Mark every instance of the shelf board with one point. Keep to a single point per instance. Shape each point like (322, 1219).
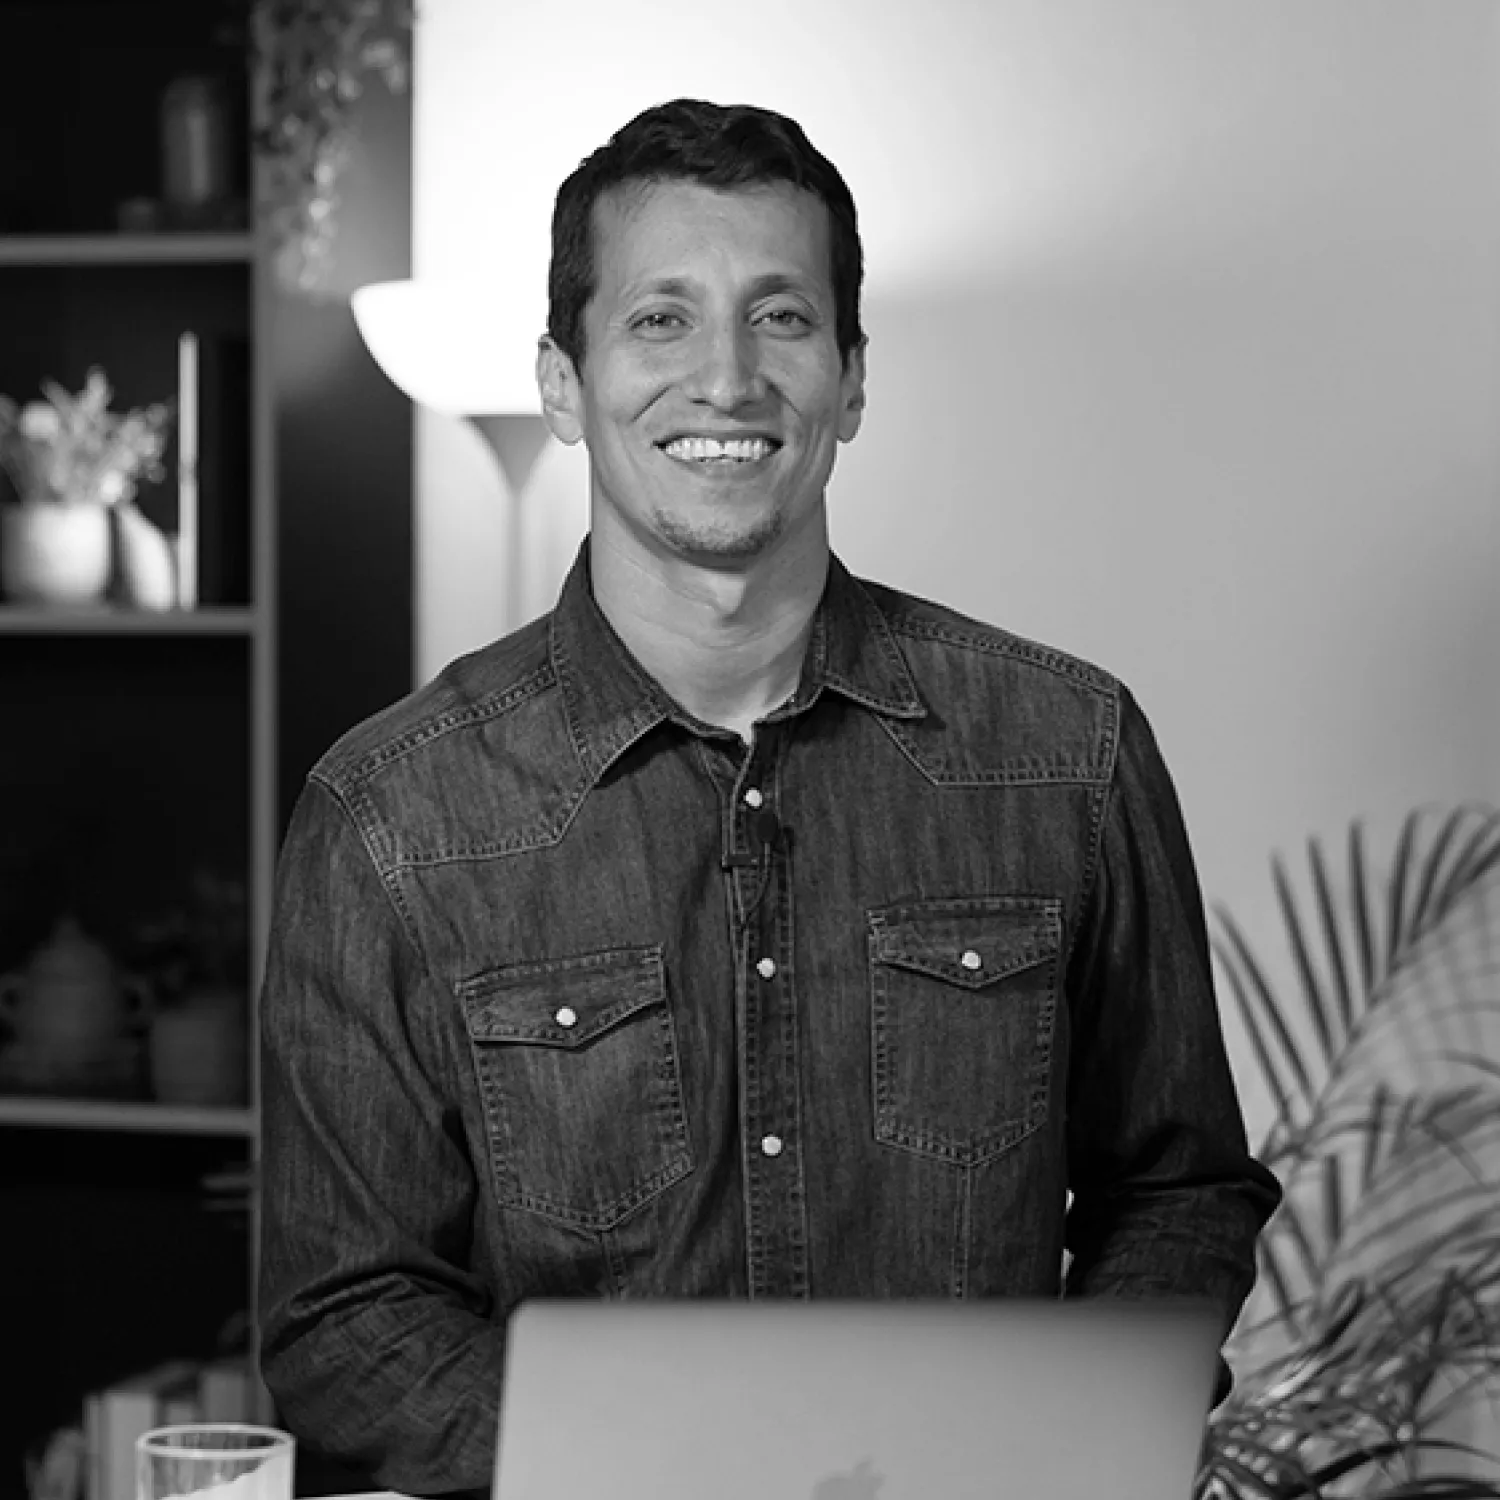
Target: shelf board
(125, 249)
(109, 1114)
(21, 619)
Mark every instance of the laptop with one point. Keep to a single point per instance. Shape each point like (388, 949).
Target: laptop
(717, 1400)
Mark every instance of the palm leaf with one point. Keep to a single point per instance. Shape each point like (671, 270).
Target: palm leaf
(1318, 1004)
(1258, 1008)
(1356, 1248)
(1382, 1115)
(1422, 887)
(1333, 941)
(1477, 856)
(1381, 1268)
(1359, 899)
(1350, 1463)
(1430, 903)
(1333, 1203)
(1287, 1304)
(1291, 1224)
(1261, 1010)
(1464, 853)
(1472, 1062)
(1237, 972)
(1247, 1481)
(1400, 877)
(1442, 1487)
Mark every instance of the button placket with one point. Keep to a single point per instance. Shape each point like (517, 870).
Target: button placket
(776, 1237)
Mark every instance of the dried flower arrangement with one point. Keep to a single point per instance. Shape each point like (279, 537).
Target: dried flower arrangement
(73, 448)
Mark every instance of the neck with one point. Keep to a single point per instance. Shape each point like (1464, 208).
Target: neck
(726, 645)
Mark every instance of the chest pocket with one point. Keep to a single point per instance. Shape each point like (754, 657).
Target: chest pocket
(578, 1076)
(963, 1013)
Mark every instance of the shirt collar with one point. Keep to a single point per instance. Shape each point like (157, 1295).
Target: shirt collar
(612, 701)
(853, 651)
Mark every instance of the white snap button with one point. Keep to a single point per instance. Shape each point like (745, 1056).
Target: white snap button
(567, 1016)
(971, 960)
(754, 797)
(766, 968)
(771, 1145)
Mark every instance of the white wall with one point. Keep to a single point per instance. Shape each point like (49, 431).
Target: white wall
(1185, 352)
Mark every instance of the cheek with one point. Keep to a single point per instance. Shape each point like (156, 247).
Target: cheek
(611, 421)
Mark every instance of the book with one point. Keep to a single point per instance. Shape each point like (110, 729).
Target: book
(93, 1478)
(181, 1406)
(222, 468)
(224, 1391)
(117, 1416)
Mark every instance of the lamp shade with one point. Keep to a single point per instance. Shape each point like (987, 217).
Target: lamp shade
(455, 348)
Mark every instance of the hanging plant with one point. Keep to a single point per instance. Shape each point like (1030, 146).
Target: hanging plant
(312, 60)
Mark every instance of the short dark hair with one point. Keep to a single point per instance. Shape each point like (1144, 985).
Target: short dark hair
(722, 146)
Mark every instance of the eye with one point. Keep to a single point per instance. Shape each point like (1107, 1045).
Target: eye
(657, 322)
(788, 317)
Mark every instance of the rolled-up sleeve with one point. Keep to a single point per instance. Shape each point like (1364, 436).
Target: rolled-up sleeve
(378, 1343)
(1167, 1199)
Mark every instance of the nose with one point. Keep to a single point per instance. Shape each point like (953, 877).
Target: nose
(728, 373)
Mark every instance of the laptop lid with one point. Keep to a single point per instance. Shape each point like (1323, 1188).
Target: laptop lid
(694, 1400)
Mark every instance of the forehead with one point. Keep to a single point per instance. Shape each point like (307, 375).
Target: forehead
(650, 231)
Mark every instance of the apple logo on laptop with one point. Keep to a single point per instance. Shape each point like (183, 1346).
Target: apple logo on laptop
(860, 1483)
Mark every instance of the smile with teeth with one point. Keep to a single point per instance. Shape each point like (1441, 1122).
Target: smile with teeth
(705, 450)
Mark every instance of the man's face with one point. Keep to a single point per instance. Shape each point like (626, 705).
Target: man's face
(712, 397)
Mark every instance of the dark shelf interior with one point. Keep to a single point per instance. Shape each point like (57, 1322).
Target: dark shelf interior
(81, 135)
(125, 767)
(111, 1262)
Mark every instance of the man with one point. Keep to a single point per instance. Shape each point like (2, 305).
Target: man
(739, 928)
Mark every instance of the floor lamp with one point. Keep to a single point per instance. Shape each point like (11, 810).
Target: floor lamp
(457, 351)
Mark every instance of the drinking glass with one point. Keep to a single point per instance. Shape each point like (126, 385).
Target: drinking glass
(215, 1460)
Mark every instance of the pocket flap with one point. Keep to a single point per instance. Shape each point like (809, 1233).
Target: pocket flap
(562, 1002)
(970, 944)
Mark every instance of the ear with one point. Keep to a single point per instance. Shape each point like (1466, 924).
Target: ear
(557, 380)
(852, 393)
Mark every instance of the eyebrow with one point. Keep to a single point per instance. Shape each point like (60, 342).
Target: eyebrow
(680, 286)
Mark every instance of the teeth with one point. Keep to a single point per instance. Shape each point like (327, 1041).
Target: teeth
(741, 450)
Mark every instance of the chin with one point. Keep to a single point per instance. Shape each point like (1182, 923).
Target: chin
(717, 542)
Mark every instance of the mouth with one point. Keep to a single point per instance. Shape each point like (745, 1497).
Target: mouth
(720, 455)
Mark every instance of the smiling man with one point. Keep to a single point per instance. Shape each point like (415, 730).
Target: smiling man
(739, 928)
(712, 374)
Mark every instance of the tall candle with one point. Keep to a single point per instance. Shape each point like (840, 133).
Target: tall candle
(187, 471)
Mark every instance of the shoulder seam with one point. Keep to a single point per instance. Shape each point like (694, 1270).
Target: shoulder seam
(342, 801)
(336, 773)
(994, 641)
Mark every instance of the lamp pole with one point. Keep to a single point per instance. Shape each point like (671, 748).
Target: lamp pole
(516, 439)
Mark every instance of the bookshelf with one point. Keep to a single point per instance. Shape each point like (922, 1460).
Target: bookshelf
(42, 1113)
(122, 249)
(139, 747)
(16, 619)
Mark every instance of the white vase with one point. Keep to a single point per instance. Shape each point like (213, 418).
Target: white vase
(147, 567)
(54, 551)
(198, 1050)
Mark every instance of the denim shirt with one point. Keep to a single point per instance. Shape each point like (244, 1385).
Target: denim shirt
(572, 994)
